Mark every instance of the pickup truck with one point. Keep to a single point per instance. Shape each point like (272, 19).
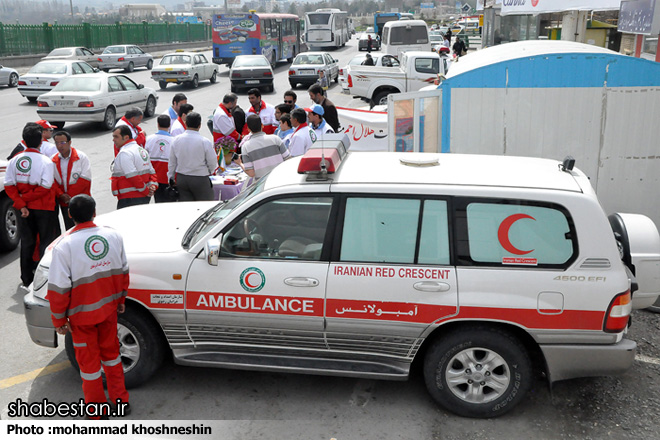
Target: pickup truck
(418, 69)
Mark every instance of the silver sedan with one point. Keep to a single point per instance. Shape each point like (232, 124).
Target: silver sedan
(124, 56)
(8, 77)
(45, 75)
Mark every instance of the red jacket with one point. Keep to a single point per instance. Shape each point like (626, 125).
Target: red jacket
(132, 172)
(29, 181)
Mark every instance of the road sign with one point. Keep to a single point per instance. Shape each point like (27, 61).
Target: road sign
(466, 8)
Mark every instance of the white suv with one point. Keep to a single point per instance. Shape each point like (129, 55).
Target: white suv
(481, 267)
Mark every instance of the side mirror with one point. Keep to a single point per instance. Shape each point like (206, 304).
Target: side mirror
(212, 249)
(140, 86)
(336, 60)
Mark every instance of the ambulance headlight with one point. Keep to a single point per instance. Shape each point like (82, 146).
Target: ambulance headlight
(39, 285)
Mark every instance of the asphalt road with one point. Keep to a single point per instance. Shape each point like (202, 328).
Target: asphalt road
(251, 405)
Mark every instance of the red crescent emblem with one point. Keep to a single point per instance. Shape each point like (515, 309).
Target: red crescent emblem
(503, 233)
(535, 2)
(247, 280)
(92, 247)
(24, 163)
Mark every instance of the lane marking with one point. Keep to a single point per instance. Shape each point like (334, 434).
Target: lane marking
(39, 372)
(647, 359)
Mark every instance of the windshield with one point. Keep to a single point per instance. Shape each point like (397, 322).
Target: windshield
(250, 61)
(76, 84)
(54, 68)
(114, 49)
(404, 35)
(175, 59)
(212, 217)
(60, 52)
(318, 18)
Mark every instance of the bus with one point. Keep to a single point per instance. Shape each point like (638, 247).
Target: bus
(326, 28)
(276, 36)
(380, 18)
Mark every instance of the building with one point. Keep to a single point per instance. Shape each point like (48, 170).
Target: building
(142, 11)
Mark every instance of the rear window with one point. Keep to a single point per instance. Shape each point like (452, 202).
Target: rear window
(52, 68)
(250, 61)
(315, 19)
(60, 53)
(114, 49)
(403, 35)
(308, 59)
(77, 84)
(175, 59)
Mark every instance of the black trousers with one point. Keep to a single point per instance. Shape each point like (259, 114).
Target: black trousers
(125, 203)
(194, 188)
(39, 223)
(160, 196)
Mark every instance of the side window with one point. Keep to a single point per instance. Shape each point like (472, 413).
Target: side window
(519, 234)
(127, 83)
(114, 85)
(138, 50)
(79, 52)
(86, 68)
(427, 65)
(196, 59)
(88, 52)
(292, 228)
(380, 230)
(434, 240)
(76, 68)
(265, 28)
(328, 59)
(202, 59)
(130, 51)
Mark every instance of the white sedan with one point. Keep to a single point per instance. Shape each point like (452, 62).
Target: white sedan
(45, 75)
(97, 97)
(184, 67)
(306, 66)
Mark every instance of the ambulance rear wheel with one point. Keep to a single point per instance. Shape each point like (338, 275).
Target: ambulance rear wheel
(477, 372)
(10, 231)
(141, 347)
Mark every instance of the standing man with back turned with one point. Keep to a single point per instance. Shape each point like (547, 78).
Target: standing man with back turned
(87, 285)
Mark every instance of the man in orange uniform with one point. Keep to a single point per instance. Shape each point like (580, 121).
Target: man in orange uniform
(87, 285)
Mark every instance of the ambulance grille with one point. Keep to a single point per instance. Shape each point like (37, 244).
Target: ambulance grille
(595, 263)
(257, 336)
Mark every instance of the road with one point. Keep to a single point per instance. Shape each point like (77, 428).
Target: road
(271, 406)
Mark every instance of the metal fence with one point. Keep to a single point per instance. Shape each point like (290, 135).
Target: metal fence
(18, 39)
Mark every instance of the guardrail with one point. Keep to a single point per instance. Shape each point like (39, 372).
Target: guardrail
(18, 39)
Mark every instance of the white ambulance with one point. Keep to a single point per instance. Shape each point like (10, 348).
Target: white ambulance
(484, 268)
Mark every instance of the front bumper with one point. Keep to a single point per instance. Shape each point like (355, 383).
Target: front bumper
(39, 324)
(572, 361)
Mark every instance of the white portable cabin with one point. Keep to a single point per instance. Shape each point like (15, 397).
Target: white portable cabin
(547, 99)
(405, 35)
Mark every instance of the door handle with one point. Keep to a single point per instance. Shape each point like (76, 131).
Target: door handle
(431, 286)
(301, 282)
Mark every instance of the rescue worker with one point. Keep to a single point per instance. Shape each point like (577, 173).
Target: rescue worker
(87, 285)
(303, 136)
(47, 147)
(223, 119)
(265, 111)
(173, 111)
(133, 177)
(179, 125)
(315, 118)
(29, 183)
(132, 119)
(73, 174)
(158, 146)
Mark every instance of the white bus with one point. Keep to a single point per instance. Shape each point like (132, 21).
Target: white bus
(326, 28)
(405, 35)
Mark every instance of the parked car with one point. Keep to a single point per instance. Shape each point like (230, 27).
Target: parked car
(306, 66)
(437, 41)
(9, 224)
(357, 60)
(45, 75)
(73, 53)
(364, 38)
(124, 56)
(8, 77)
(249, 71)
(97, 97)
(184, 67)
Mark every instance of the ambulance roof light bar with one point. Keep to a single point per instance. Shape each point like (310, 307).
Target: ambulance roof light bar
(324, 156)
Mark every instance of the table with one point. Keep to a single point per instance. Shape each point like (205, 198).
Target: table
(226, 192)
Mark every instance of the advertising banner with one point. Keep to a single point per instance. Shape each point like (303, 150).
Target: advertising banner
(524, 7)
(639, 17)
(366, 129)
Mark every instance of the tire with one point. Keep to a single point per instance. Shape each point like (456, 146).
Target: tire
(150, 64)
(141, 347)
(273, 61)
(109, 118)
(214, 77)
(270, 88)
(337, 78)
(59, 124)
(13, 80)
(380, 99)
(195, 82)
(292, 84)
(106, 70)
(459, 383)
(10, 231)
(162, 84)
(234, 89)
(131, 67)
(32, 98)
(150, 109)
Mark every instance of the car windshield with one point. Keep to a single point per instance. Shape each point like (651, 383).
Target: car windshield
(212, 217)
(175, 59)
(60, 52)
(114, 49)
(308, 59)
(250, 62)
(77, 84)
(54, 68)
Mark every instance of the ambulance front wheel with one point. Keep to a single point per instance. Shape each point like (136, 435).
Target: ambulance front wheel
(141, 347)
(477, 372)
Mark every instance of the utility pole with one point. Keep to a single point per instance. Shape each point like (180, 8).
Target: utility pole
(71, 4)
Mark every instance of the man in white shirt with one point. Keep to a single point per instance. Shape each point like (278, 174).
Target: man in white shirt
(192, 161)
(158, 146)
(180, 125)
(173, 111)
(303, 136)
(319, 125)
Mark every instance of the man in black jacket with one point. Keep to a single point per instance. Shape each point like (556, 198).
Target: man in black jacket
(329, 109)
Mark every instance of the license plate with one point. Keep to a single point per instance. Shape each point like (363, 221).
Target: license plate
(170, 80)
(61, 103)
(307, 72)
(252, 81)
(36, 83)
